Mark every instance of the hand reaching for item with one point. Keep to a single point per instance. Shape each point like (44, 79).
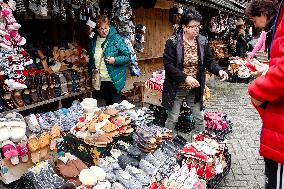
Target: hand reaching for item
(256, 102)
(261, 69)
(190, 81)
(224, 76)
(110, 60)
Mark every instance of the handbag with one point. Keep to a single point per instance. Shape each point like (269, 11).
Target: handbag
(96, 80)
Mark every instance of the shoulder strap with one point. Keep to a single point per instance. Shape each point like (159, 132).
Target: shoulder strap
(102, 55)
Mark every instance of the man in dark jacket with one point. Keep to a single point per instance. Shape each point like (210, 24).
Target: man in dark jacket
(186, 56)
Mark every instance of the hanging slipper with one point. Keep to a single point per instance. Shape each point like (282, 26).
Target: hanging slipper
(10, 152)
(54, 135)
(44, 142)
(34, 147)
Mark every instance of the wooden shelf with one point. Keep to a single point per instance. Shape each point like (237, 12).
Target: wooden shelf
(58, 99)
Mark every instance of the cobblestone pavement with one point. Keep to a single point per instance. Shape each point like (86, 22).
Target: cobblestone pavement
(247, 169)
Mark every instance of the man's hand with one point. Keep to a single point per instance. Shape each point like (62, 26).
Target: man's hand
(190, 81)
(261, 69)
(224, 76)
(256, 102)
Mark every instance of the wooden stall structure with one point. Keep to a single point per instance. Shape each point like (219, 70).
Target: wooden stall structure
(159, 29)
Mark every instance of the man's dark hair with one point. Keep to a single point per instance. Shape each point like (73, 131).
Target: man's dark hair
(189, 15)
(266, 7)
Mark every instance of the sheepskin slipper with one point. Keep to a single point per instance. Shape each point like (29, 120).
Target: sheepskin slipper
(4, 130)
(17, 125)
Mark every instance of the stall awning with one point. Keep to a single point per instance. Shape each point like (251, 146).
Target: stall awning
(224, 5)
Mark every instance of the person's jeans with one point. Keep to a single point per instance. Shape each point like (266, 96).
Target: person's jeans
(173, 115)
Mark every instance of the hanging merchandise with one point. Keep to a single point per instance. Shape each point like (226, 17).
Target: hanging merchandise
(139, 37)
(123, 18)
(133, 65)
(20, 7)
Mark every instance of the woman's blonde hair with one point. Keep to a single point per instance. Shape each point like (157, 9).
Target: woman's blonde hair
(102, 19)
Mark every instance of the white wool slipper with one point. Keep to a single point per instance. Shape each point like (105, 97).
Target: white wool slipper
(17, 126)
(4, 130)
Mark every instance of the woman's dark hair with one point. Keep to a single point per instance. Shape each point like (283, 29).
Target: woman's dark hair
(258, 7)
(189, 15)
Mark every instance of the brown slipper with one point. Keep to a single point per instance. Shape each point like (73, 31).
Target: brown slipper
(109, 127)
(103, 140)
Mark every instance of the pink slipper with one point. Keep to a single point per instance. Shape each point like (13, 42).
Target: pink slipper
(10, 151)
(22, 149)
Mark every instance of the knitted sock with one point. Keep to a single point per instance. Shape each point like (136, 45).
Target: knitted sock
(10, 19)
(6, 43)
(17, 38)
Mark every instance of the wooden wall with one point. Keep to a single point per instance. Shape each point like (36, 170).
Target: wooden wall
(159, 29)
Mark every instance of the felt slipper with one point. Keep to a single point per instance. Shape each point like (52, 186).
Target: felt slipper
(44, 142)
(10, 152)
(33, 145)
(102, 141)
(109, 127)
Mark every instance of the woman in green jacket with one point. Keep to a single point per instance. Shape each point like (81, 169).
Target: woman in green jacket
(109, 54)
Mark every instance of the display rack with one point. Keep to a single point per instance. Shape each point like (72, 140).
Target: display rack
(58, 99)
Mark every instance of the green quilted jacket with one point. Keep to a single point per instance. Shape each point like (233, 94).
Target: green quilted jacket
(115, 47)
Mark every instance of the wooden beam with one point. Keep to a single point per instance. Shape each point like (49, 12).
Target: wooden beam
(164, 4)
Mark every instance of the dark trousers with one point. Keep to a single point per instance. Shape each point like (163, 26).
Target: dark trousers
(274, 174)
(109, 93)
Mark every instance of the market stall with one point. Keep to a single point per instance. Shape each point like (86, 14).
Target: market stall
(54, 135)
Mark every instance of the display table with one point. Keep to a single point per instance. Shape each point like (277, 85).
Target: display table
(11, 173)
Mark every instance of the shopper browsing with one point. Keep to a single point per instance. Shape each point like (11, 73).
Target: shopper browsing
(109, 54)
(267, 91)
(186, 57)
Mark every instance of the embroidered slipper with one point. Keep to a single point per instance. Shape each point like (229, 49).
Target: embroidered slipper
(10, 152)
(22, 149)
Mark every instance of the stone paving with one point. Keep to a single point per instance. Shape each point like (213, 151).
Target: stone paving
(247, 169)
